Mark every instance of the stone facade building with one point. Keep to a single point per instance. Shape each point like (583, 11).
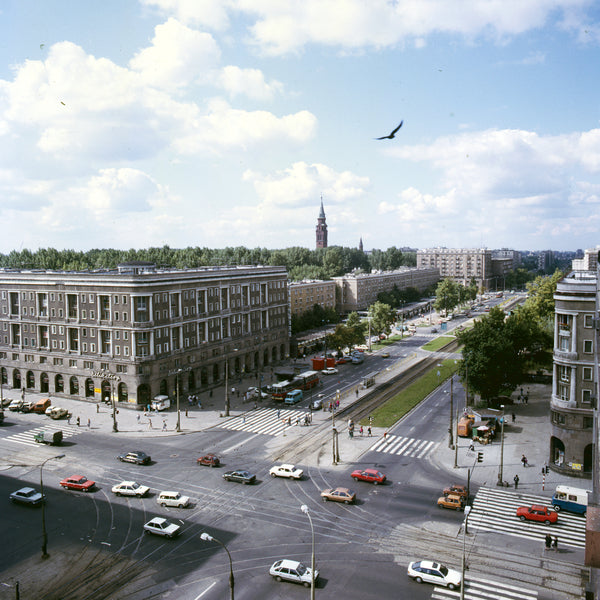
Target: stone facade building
(357, 291)
(131, 332)
(574, 377)
(305, 294)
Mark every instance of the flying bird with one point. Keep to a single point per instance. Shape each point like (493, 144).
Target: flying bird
(391, 136)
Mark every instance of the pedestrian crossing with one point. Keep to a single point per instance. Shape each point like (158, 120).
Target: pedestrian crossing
(26, 437)
(397, 444)
(495, 510)
(478, 588)
(267, 421)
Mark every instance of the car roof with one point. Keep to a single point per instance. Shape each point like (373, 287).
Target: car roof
(287, 466)
(26, 490)
(158, 520)
(127, 483)
(429, 564)
(290, 564)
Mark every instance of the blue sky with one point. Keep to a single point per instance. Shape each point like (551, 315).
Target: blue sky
(130, 124)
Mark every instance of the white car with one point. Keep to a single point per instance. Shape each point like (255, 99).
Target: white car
(253, 392)
(15, 405)
(160, 526)
(292, 570)
(286, 471)
(130, 488)
(173, 499)
(329, 371)
(429, 571)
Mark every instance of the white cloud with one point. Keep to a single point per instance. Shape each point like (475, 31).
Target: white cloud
(178, 55)
(208, 13)
(248, 82)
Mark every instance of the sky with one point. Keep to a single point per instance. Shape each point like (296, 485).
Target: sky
(214, 123)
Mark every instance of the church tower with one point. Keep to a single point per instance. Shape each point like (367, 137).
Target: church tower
(321, 228)
(360, 245)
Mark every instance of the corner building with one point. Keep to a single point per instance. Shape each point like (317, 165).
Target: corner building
(139, 331)
(574, 378)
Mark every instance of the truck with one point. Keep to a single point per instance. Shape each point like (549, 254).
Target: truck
(53, 438)
(161, 402)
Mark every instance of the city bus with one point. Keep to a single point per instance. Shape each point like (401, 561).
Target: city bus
(307, 380)
(280, 390)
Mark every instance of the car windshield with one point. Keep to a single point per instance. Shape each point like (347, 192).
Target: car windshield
(443, 570)
(301, 569)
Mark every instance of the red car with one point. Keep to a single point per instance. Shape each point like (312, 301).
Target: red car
(77, 482)
(341, 361)
(371, 475)
(209, 460)
(537, 513)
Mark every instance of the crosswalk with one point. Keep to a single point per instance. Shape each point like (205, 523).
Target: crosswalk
(478, 588)
(495, 510)
(26, 437)
(397, 444)
(268, 421)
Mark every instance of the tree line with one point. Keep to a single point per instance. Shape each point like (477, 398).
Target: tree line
(301, 263)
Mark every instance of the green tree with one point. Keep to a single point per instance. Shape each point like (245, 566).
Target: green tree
(541, 295)
(381, 318)
(447, 296)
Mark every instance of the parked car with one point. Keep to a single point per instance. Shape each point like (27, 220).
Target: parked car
(429, 571)
(160, 526)
(173, 499)
(209, 460)
(5, 402)
(27, 406)
(136, 457)
(292, 570)
(339, 494)
(78, 482)
(451, 501)
(371, 475)
(289, 471)
(317, 404)
(537, 512)
(385, 355)
(28, 495)
(58, 412)
(15, 404)
(329, 371)
(130, 488)
(455, 488)
(161, 402)
(341, 361)
(240, 475)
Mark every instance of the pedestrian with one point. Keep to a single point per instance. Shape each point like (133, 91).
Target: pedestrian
(210, 393)
(243, 418)
(524, 460)
(186, 412)
(97, 408)
(385, 435)
(527, 397)
(555, 543)
(369, 434)
(149, 423)
(69, 419)
(78, 421)
(514, 417)
(278, 412)
(548, 540)
(361, 431)
(357, 392)
(516, 480)
(138, 418)
(23, 394)
(89, 423)
(164, 425)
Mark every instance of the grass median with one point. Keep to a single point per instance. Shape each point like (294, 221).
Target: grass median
(403, 402)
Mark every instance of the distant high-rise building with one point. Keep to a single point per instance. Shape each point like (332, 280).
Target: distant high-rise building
(321, 228)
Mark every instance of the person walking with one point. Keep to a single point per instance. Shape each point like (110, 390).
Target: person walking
(555, 543)
(524, 460)
(89, 423)
(369, 434)
(516, 480)
(164, 425)
(361, 431)
(385, 435)
(514, 417)
(78, 421)
(548, 540)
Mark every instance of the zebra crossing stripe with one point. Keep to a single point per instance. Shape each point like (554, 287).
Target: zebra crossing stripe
(477, 588)
(266, 421)
(402, 445)
(26, 437)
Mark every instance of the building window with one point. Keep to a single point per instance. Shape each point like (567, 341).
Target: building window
(588, 346)
(588, 321)
(563, 392)
(586, 396)
(587, 374)
(558, 418)
(588, 422)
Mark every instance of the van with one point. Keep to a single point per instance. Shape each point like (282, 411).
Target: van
(54, 438)
(571, 499)
(293, 397)
(41, 405)
(161, 402)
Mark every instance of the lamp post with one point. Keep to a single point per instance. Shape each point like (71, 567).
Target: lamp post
(44, 532)
(305, 510)
(227, 384)
(462, 579)
(501, 469)
(209, 538)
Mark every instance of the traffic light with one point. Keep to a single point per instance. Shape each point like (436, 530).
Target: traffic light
(480, 457)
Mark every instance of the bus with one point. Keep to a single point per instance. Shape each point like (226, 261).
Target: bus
(280, 390)
(307, 380)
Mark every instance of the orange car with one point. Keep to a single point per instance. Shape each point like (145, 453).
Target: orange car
(339, 495)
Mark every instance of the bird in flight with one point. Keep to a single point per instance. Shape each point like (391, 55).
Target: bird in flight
(391, 136)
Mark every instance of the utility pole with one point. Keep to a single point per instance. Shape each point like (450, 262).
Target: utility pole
(450, 436)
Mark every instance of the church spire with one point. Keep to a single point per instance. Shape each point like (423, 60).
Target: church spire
(321, 228)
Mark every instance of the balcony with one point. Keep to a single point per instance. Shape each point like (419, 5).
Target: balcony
(565, 355)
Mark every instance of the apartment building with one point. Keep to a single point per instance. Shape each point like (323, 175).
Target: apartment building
(574, 377)
(305, 294)
(357, 291)
(129, 333)
(463, 265)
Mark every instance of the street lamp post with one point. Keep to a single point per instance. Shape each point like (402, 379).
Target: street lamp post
(227, 406)
(501, 469)
(209, 538)
(462, 579)
(44, 532)
(305, 510)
